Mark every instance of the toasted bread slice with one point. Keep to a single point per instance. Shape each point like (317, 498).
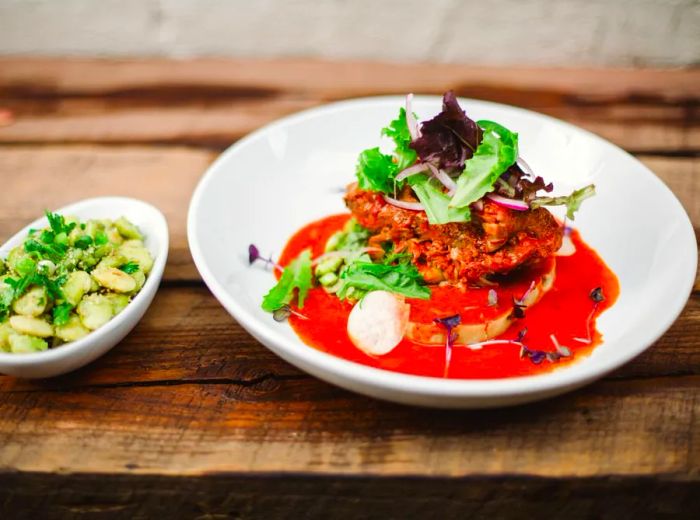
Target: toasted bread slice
(467, 333)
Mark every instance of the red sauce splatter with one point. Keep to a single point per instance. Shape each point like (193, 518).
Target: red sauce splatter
(562, 311)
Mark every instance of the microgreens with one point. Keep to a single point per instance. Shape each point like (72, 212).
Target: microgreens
(254, 254)
(518, 311)
(284, 312)
(492, 298)
(597, 296)
(449, 322)
(537, 356)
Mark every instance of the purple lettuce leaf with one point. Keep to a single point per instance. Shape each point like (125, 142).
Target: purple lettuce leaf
(450, 138)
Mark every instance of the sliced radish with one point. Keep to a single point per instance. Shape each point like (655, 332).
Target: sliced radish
(378, 322)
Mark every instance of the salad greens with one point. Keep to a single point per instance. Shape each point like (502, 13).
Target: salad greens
(376, 171)
(345, 269)
(398, 132)
(450, 138)
(496, 152)
(473, 158)
(436, 202)
(572, 201)
(296, 276)
(397, 276)
(450, 163)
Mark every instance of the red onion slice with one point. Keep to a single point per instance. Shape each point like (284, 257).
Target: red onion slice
(403, 204)
(410, 119)
(444, 179)
(411, 170)
(517, 205)
(524, 166)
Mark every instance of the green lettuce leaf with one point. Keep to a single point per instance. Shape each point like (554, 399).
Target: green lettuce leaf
(572, 201)
(376, 171)
(297, 275)
(396, 275)
(436, 203)
(398, 132)
(496, 152)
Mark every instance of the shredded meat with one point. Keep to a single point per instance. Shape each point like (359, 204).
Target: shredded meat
(496, 240)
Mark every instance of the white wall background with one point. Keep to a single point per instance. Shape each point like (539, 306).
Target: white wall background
(541, 32)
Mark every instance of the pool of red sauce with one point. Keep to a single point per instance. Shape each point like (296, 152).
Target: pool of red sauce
(563, 311)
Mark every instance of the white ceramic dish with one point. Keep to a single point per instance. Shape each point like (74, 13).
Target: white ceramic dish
(266, 186)
(74, 355)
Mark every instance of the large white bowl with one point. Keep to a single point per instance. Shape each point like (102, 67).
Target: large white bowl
(291, 172)
(74, 355)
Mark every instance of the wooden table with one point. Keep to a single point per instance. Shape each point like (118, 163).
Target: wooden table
(191, 418)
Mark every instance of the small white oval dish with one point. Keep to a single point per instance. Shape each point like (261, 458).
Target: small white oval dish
(78, 353)
(287, 174)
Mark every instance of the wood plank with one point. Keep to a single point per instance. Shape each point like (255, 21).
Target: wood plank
(216, 124)
(28, 496)
(332, 79)
(166, 176)
(187, 337)
(214, 102)
(50, 177)
(631, 428)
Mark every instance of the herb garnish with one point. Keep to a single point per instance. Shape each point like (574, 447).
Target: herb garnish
(572, 201)
(450, 138)
(597, 296)
(395, 274)
(296, 276)
(254, 254)
(284, 312)
(537, 356)
(129, 267)
(449, 322)
(58, 223)
(478, 157)
(61, 313)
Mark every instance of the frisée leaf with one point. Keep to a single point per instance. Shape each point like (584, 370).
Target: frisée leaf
(572, 201)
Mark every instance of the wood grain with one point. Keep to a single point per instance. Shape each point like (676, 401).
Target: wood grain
(212, 103)
(613, 428)
(273, 497)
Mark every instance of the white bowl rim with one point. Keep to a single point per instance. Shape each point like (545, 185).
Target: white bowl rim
(325, 364)
(68, 350)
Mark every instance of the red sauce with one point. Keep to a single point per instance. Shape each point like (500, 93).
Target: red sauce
(563, 311)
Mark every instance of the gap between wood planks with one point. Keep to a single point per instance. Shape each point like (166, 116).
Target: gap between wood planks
(685, 378)
(218, 147)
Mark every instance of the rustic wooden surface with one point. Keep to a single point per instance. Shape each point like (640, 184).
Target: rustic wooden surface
(190, 417)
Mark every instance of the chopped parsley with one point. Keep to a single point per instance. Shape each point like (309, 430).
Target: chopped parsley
(129, 267)
(61, 313)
